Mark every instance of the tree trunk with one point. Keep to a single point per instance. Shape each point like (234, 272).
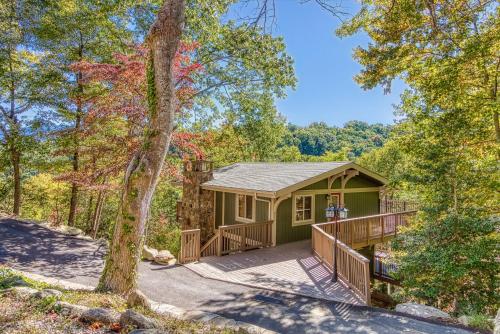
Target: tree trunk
(74, 186)
(141, 177)
(15, 157)
(88, 220)
(96, 221)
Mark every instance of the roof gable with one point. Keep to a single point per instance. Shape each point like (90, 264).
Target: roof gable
(277, 178)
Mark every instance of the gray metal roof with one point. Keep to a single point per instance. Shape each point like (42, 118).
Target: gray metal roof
(269, 177)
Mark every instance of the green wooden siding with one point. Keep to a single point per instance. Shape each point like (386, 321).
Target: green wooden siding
(261, 207)
(361, 204)
(229, 209)
(218, 209)
(319, 210)
(284, 230)
(361, 181)
(323, 184)
(262, 211)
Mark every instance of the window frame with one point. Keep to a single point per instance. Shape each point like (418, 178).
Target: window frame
(236, 213)
(296, 222)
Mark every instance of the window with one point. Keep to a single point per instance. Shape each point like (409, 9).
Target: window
(303, 209)
(244, 205)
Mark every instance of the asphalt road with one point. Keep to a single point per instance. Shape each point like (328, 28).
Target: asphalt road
(30, 247)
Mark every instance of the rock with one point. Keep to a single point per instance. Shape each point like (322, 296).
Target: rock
(464, 320)
(496, 323)
(149, 253)
(70, 230)
(48, 293)
(22, 291)
(14, 281)
(149, 331)
(103, 315)
(137, 298)
(131, 318)
(420, 310)
(164, 257)
(68, 309)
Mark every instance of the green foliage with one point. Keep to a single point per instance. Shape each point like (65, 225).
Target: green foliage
(355, 137)
(163, 232)
(45, 199)
(445, 149)
(481, 321)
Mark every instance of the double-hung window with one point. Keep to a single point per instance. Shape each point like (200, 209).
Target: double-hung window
(245, 208)
(303, 209)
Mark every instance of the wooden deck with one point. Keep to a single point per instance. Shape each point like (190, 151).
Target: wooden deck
(289, 268)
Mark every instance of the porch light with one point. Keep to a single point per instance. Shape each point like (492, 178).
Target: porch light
(343, 213)
(330, 211)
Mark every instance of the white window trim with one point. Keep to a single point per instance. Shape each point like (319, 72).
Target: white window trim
(243, 219)
(294, 211)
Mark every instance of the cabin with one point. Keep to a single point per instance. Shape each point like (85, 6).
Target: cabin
(290, 196)
(257, 205)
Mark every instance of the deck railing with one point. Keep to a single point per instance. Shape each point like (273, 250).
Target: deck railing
(389, 205)
(369, 230)
(211, 246)
(383, 269)
(352, 268)
(242, 237)
(190, 246)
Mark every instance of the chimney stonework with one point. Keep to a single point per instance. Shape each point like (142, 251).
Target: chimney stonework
(196, 210)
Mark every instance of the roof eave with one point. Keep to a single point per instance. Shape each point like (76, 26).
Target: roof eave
(262, 193)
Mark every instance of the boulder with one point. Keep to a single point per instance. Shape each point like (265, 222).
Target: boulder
(149, 331)
(149, 253)
(103, 315)
(22, 291)
(164, 257)
(14, 281)
(464, 320)
(70, 230)
(137, 298)
(48, 293)
(68, 309)
(420, 310)
(131, 318)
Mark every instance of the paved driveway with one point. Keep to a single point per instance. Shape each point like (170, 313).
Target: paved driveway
(30, 247)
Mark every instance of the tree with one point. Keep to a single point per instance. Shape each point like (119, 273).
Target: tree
(73, 31)
(23, 78)
(445, 149)
(142, 173)
(447, 50)
(233, 57)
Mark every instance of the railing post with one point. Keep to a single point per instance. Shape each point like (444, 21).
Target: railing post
(219, 244)
(382, 223)
(367, 283)
(198, 245)
(243, 244)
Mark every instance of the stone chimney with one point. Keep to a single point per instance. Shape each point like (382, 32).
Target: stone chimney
(196, 210)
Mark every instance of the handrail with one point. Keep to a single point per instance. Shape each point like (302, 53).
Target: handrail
(352, 267)
(241, 237)
(367, 217)
(367, 230)
(190, 246)
(211, 246)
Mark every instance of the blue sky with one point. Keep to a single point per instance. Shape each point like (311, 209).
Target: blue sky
(325, 69)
